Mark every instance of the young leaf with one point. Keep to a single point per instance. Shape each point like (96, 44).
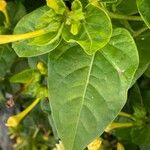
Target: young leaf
(75, 16)
(144, 9)
(57, 5)
(94, 33)
(42, 44)
(84, 89)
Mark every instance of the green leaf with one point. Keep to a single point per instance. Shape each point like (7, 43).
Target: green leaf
(147, 72)
(16, 11)
(75, 16)
(42, 44)
(141, 135)
(26, 76)
(142, 42)
(7, 58)
(144, 9)
(127, 7)
(84, 89)
(33, 61)
(57, 5)
(94, 32)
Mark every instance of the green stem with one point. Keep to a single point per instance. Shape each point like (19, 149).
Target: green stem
(114, 125)
(140, 31)
(123, 114)
(7, 24)
(124, 17)
(13, 38)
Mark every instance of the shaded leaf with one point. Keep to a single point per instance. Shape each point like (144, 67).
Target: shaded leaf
(143, 46)
(7, 58)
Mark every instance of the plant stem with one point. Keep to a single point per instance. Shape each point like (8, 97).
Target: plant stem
(123, 114)
(7, 22)
(124, 17)
(140, 31)
(13, 38)
(118, 125)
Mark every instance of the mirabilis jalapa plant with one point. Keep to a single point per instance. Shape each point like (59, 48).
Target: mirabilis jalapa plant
(91, 65)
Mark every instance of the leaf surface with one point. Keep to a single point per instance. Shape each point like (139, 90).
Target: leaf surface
(144, 9)
(7, 58)
(84, 89)
(39, 45)
(94, 32)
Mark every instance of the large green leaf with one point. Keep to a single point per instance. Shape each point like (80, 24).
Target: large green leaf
(94, 32)
(84, 89)
(34, 21)
(144, 9)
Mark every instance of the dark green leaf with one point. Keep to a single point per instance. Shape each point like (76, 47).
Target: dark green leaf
(143, 46)
(7, 57)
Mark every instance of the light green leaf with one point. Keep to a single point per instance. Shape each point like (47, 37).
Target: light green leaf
(144, 9)
(95, 30)
(57, 5)
(26, 76)
(84, 89)
(42, 44)
(75, 16)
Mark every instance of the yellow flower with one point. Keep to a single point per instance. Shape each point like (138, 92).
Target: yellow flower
(59, 146)
(118, 125)
(95, 145)
(13, 121)
(2, 5)
(120, 146)
(41, 68)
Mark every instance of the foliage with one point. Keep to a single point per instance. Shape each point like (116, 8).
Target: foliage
(82, 66)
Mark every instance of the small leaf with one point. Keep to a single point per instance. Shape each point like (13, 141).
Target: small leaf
(57, 5)
(94, 32)
(26, 76)
(75, 16)
(84, 89)
(144, 9)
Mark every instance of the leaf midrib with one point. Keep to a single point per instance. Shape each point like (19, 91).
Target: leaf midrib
(83, 97)
(89, 36)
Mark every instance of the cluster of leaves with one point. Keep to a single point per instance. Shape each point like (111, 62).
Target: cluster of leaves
(87, 54)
